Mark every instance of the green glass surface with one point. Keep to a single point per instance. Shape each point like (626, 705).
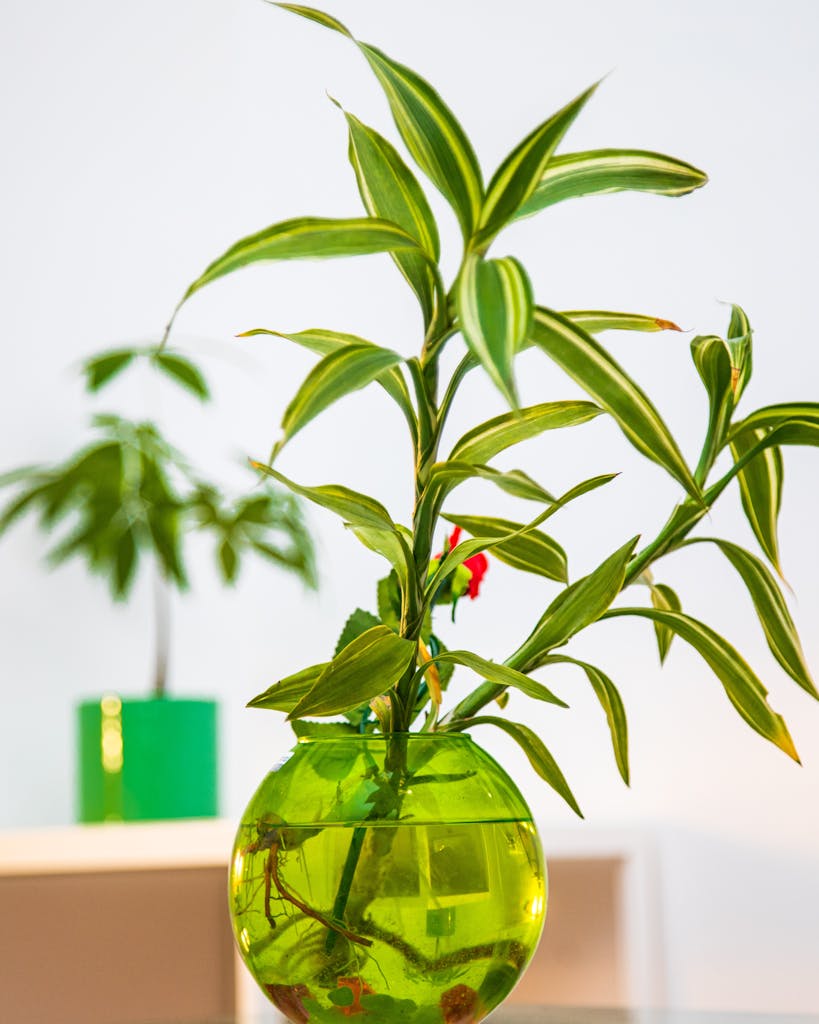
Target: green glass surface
(401, 878)
(147, 759)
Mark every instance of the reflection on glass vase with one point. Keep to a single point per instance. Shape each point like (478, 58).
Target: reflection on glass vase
(398, 877)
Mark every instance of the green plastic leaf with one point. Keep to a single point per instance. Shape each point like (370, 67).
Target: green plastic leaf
(744, 689)
(574, 608)
(533, 551)
(183, 371)
(287, 692)
(601, 171)
(664, 598)
(389, 190)
(502, 675)
(740, 344)
(760, 490)
(595, 321)
(308, 238)
(534, 748)
(488, 439)
(367, 667)
(612, 703)
(358, 622)
(579, 355)
(777, 415)
(101, 369)
(773, 614)
(430, 130)
(338, 374)
(518, 176)
(354, 507)
(712, 359)
(393, 546)
(323, 731)
(494, 300)
(228, 561)
(447, 475)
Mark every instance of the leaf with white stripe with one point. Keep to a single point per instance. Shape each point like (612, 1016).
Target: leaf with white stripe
(448, 475)
(389, 190)
(664, 598)
(532, 551)
(760, 490)
(743, 687)
(519, 174)
(712, 359)
(776, 415)
(341, 372)
(486, 440)
(430, 130)
(501, 675)
(601, 171)
(494, 301)
(773, 614)
(579, 355)
(740, 344)
(308, 238)
(595, 321)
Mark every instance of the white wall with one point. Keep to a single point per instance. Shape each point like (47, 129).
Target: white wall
(141, 139)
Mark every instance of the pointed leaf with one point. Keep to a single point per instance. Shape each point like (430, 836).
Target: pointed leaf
(448, 475)
(318, 16)
(494, 300)
(287, 692)
(358, 622)
(367, 667)
(308, 238)
(664, 598)
(760, 490)
(534, 748)
(488, 439)
(777, 415)
(502, 675)
(611, 702)
(712, 359)
(773, 614)
(338, 374)
(518, 176)
(183, 371)
(354, 507)
(740, 343)
(574, 608)
(743, 687)
(600, 171)
(100, 369)
(595, 321)
(388, 544)
(596, 372)
(532, 551)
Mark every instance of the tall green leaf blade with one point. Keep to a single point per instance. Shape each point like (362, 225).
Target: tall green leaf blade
(533, 551)
(612, 703)
(760, 490)
(534, 748)
(664, 598)
(576, 607)
(494, 301)
(447, 476)
(712, 359)
(740, 343)
(595, 321)
(486, 440)
(367, 667)
(777, 415)
(600, 171)
(308, 238)
(744, 689)
(327, 20)
(518, 176)
(353, 507)
(502, 675)
(579, 355)
(338, 374)
(388, 189)
(387, 543)
(773, 614)
(286, 693)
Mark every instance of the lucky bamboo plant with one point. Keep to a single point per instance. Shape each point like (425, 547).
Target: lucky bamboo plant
(390, 670)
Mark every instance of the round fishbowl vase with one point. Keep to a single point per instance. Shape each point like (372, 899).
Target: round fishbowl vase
(396, 877)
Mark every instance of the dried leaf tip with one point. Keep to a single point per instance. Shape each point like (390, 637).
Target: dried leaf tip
(666, 325)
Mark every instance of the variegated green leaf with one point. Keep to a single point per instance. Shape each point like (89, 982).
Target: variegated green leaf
(712, 359)
(664, 598)
(308, 238)
(430, 130)
(447, 476)
(760, 489)
(389, 190)
(777, 415)
(486, 440)
(501, 675)
(353, 507)
(518, 176)
(773, 614)
(595, 321)
(534, 748)
(608, 384)
(612, 703)
(602, 171)
(740, 343)
(532, 551)
(574, 608)
(744, 689)
(286, 693)
(494, 301)
(341, 372)
(367, 667)
(392, 545)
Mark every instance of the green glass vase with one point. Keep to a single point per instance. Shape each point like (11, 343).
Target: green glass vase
(398, 877)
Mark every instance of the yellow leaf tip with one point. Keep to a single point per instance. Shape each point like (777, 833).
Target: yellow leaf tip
(666, 325)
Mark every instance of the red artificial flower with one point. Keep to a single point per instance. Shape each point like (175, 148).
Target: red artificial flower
(477, 564)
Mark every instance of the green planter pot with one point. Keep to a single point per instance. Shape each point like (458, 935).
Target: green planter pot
(400, 878)
(147, 759)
